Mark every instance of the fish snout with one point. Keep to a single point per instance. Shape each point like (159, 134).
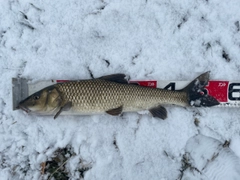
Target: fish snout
(23, 108)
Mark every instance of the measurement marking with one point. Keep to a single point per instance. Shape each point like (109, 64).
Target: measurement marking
(236, 94)
(236, 87)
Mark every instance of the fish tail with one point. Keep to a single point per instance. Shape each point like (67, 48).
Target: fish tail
(195, 92)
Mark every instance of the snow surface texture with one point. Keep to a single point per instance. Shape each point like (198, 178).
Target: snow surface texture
(146, 39)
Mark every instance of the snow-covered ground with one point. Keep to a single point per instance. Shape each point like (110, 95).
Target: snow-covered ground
(146, 39)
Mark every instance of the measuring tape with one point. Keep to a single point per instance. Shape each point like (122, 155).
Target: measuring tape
(226, 92)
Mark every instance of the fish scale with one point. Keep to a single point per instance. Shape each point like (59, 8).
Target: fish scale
(100, 95)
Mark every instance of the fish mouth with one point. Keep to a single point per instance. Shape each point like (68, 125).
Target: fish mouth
(23, 108)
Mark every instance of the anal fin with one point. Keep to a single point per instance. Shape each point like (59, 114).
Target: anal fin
(116, 111)
(159, 112)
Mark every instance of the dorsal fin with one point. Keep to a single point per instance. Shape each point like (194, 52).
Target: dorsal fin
(118, 78)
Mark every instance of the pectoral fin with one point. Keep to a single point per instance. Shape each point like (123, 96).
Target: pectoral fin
(116, 111)
(159, 112)
(66, 107)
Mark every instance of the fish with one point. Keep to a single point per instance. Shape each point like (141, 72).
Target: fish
(112, 94)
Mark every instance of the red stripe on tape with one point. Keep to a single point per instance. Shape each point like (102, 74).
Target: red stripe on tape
(60, 81)
(219, 90)
(152, 84)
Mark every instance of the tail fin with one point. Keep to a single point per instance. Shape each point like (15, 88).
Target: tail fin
(195, 92)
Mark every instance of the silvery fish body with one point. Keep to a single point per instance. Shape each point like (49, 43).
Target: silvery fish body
(99, 95)
(112, 94)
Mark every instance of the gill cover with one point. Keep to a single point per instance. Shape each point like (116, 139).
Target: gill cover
(45, 100)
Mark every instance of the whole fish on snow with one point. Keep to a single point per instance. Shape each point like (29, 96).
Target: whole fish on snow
(113, 94)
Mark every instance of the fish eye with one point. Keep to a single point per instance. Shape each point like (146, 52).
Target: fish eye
(36, 97)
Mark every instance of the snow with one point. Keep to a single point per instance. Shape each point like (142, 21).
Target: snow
(151, 39)
(218, 162)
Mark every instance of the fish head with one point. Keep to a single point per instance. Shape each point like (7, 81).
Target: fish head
(45, 100)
